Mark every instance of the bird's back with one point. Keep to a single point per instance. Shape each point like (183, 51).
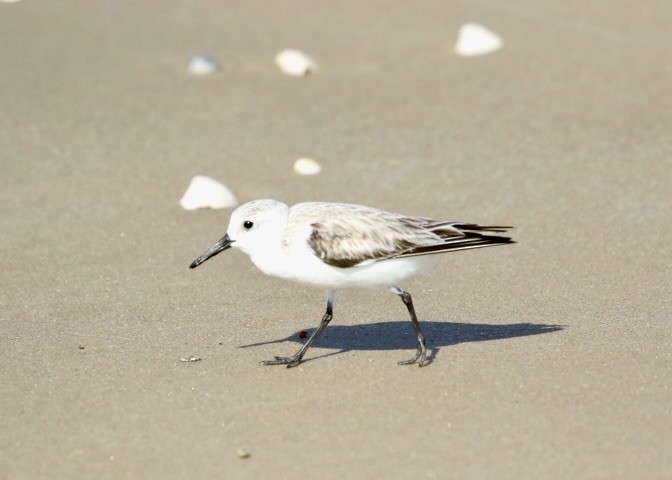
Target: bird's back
(347, 235)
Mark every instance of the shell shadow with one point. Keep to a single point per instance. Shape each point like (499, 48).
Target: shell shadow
(400, 335)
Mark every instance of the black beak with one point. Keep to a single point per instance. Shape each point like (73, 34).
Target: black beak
(220, 246)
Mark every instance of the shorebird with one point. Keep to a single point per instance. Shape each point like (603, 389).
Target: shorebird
(335, 246)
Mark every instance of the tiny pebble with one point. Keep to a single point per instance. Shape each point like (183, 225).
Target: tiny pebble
(307, 166)
(81, 347)
(303, 334)
(202, 65)
(243, 453)
(191, 358)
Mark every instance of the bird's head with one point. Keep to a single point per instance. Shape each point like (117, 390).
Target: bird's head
(252, 228)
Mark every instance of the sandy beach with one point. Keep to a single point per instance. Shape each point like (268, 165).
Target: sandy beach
(551, 358)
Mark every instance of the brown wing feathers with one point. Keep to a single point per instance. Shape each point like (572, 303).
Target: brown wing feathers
(344, 247)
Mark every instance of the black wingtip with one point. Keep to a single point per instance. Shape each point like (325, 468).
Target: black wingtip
(469, 241)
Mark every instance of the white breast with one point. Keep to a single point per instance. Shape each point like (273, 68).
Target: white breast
(295, 260)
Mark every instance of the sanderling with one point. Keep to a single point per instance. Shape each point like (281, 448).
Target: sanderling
(336, 246)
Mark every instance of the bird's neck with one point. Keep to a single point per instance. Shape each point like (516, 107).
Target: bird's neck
(269, 258)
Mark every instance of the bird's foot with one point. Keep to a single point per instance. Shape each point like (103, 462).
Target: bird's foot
(420, 358)
(292, 361)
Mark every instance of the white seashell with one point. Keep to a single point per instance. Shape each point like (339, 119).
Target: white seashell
(243, 453)
(295, 62)
(307, 166)
(202, 65)
(205, 192)
(475, 39)
(10, 1)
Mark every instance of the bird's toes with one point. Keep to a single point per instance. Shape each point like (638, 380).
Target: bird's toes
(289, 361)
(407, 362)
(276, 361)
(420, 357)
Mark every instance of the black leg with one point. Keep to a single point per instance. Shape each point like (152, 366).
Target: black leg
(295, 359)
(421, 354)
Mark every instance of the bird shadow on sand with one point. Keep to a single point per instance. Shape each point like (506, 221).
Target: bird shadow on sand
(400, 336)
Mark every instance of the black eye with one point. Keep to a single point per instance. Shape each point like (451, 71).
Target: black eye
(247, 224)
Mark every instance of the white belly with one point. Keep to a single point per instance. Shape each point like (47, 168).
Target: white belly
(302, 265)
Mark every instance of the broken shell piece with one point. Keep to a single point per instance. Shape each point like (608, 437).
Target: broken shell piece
(475, 39)
(191, 358)
(295, 62)
(202, 65)
(205, 192)
(307, 166)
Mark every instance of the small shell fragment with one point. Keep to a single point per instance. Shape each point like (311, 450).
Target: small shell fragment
(202, 65)
(475, 40)
(295, 62)
(243, 453)
(10, 1)
(307, 166)
(206, 192)
(191, 358)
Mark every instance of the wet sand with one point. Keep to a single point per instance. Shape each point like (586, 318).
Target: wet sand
(551, 357)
